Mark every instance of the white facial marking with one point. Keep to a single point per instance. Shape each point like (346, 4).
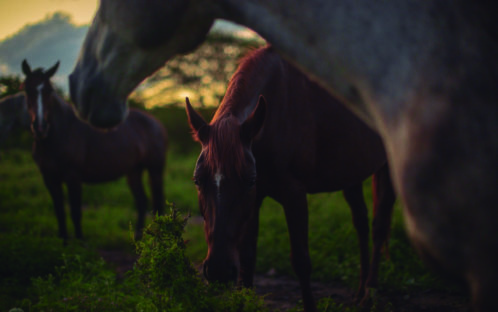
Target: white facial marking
(217, 179)
(39, 109)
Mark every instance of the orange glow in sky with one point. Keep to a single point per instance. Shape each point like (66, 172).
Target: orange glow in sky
(14, 14)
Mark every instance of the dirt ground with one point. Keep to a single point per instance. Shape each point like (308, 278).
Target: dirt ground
(283, 293)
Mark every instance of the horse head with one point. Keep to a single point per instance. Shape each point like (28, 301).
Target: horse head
(225, 176)
(39, 96)
(127, 42)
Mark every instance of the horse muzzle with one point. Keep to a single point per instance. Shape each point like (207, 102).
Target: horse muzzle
(40, 131)
(220, 272)
(95, 103)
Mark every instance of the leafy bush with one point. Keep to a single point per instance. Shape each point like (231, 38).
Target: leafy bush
(83, 284)
(163, 279)
(170, 279)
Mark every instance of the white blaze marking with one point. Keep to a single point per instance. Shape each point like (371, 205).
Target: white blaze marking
(39, 109)
(217, 179)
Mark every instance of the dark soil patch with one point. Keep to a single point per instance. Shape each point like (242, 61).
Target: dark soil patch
(282, 293)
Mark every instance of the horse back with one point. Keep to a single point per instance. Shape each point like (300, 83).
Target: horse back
(311, 136)
(77, 151)
(139, 142)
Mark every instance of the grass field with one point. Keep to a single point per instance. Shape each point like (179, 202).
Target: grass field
(32, 257)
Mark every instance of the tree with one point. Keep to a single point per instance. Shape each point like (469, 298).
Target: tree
(9, 85)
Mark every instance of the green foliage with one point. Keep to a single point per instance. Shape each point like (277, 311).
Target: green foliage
(170, 279)
(9, 85)
(162, 261)
(84, 283)
(31, 252)
(163, 279)
(203, 75)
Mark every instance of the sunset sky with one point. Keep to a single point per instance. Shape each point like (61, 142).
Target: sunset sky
(14, 14)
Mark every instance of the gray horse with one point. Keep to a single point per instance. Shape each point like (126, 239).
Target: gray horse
(422, 73)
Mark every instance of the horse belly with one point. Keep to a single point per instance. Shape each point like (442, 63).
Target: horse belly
(109, 164)
(344, 167)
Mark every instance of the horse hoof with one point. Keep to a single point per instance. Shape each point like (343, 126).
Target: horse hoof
(368, 298)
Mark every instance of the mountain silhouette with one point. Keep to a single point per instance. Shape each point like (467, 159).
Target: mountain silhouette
(57, 38)
(42, 44)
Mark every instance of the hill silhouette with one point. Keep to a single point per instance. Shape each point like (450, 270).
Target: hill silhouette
(42, 44)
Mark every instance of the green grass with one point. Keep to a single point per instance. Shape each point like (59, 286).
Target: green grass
(33, 258)
(39, 273)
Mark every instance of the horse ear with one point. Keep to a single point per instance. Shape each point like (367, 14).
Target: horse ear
(253, 124)
(26, 69)
(198, 125)
(49, 73)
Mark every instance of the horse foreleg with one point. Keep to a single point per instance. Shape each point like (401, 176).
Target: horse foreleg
(384, 198)
(54, 187)
(248, 246)
(296, 214)
(134, 180)
(74, 192)
(354, 197)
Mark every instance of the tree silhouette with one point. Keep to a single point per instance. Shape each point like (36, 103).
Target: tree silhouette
(9, 85)
(202, 75)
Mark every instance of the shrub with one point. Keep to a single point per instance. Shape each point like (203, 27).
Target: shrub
(163, 279)
(170, 279)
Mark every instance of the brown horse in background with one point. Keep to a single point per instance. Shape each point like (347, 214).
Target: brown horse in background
(68, 150)
(295, 140)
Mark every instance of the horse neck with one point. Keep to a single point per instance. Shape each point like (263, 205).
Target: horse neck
(252, 77)
(62, 115)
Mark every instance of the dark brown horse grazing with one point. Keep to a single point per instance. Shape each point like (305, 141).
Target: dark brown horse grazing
(303, 141)
(69, 151)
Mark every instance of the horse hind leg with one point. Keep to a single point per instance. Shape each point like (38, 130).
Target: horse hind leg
(135, 183)
(74, 192)
(359, 211)
(383, 203)
(156, 180)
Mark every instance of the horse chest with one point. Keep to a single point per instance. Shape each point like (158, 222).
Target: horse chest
(47, 156)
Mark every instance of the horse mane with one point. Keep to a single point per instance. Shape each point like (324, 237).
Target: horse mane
(59, 100)
(64, 111)
(224, 149)
(255, 69)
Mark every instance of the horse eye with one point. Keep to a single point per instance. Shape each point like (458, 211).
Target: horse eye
(196, 181)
